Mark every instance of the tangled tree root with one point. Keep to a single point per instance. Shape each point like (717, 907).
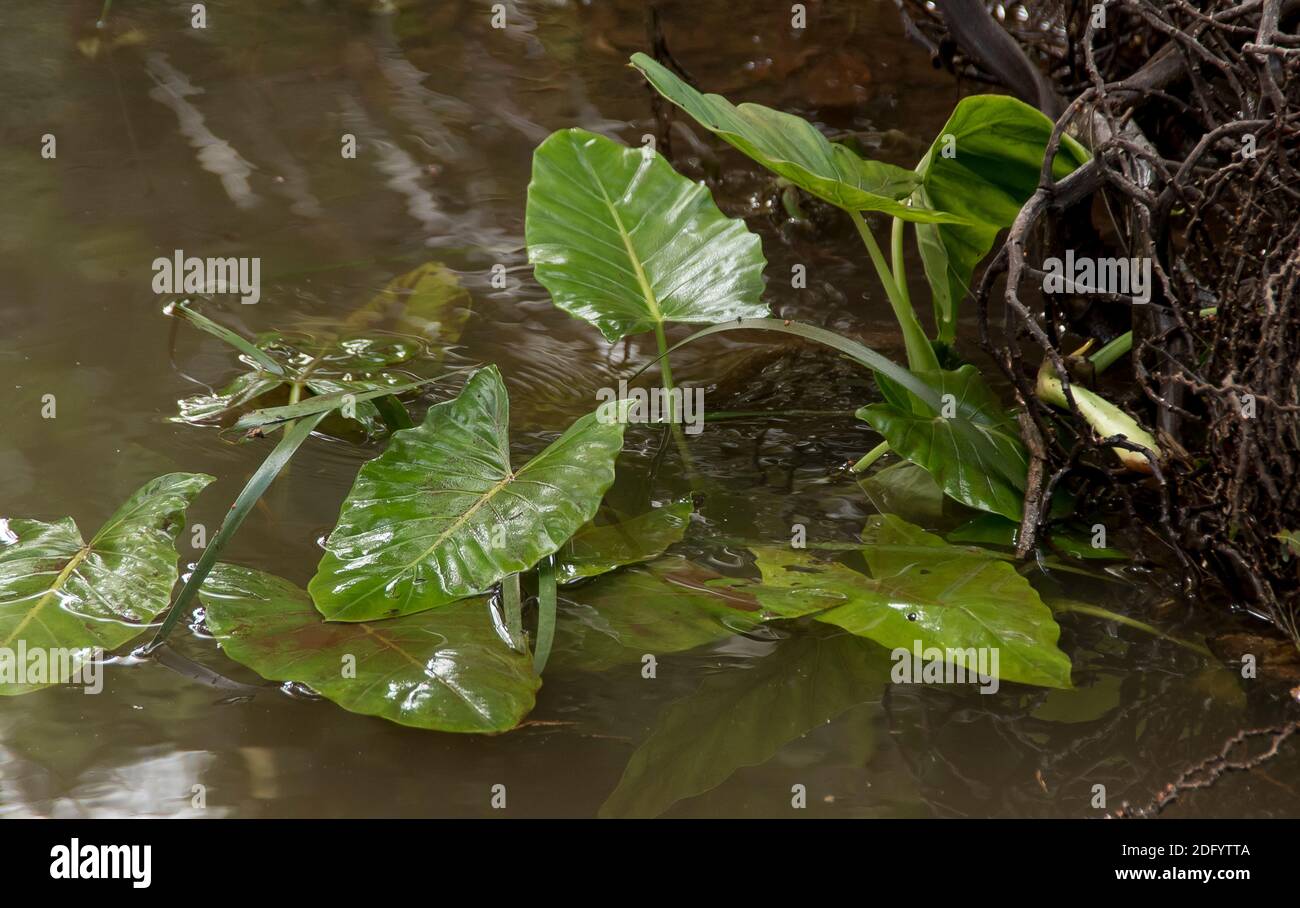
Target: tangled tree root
(1193, 116)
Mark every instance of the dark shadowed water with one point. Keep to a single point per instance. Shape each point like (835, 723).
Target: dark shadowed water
(225, 141)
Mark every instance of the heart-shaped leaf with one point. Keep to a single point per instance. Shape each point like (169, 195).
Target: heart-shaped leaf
(59, 593)
(969, 445)
(447, 670)
(597, 550)
(924, 589)
(983, 166)
(793, 148)
(742, 718)
(622, 240)
(442, 514)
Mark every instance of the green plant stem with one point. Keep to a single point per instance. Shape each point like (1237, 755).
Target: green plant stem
(666, 371)
(871, 457)
(546, 604)
(293, 437)
(920, 355)
(897, 261)
(1107, 356)
(513, 603)
(1096, 611)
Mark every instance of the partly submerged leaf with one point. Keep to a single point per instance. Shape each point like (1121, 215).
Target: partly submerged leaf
(666, 606)
(622, 240)
(598, 549)
(907, 490)
(793, 148)
(924, 589)
(983, 166)
(968, 445)
(743, 717)
(448, 670)
(442, 514)
(60, 593)
(428, 301)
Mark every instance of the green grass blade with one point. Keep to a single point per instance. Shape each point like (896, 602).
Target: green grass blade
(203, 323)
(264, 476)
(858, 352)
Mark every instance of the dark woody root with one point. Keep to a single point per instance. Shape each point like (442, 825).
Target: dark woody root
(1172, 98)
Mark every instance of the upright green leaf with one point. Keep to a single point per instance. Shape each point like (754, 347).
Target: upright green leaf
(442, 514)
(622, 240)
(447, 670)
(793, 148)
(743, 717)
(983, 166)
(60, 593)
(969, 445)
(924, 589)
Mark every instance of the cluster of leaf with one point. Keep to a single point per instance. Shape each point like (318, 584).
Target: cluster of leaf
(415, 612)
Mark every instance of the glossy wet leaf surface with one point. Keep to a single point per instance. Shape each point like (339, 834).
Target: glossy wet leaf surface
(596, 549)
(974, 452)
(991, 529)
(443, 514)
(793, 148)
(448, 670)
(622, 240)
(743, 717)
(921, 588)
(58, 591)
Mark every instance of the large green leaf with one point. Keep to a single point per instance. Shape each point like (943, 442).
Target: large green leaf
(622, 240)
(793, 148)
(448, 670)
(58, 592)
(983, 166)
(973, 451)
(924, 589)
(743, 717)
(598, 549)
(442, 514)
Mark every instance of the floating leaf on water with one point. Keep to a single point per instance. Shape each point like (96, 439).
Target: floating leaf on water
(58, 592)
(446, 670)
(923, 589)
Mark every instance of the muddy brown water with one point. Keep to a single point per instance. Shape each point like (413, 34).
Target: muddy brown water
(225, 141)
